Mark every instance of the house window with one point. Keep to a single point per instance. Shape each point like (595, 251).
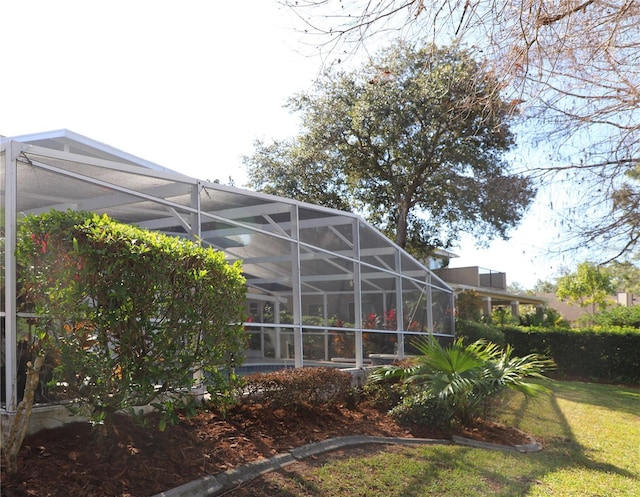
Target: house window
(315, 309)
(253, 308)
(351, 310)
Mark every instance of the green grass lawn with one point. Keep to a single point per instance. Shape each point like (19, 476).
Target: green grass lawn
(591, 439)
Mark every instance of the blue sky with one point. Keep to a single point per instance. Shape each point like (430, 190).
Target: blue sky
(189, 85)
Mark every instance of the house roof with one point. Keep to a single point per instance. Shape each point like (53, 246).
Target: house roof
(499, 297)
(486, 283)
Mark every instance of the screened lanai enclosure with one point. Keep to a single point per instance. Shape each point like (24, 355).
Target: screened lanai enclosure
(323, 286)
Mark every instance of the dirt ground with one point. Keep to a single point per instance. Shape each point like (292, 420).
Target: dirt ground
(144, 461)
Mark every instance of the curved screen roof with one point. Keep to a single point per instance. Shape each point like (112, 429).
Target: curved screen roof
(63, 170)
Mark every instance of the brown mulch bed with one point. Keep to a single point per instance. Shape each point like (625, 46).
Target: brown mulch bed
(144, 461)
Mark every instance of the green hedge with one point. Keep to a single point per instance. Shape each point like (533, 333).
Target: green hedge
(596, 354)
(471, 331)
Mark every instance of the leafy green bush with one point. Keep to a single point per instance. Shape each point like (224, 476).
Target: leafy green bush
(385, 394)
(423, 408)
(472, 331)
(313, 346)
(619, 316)
(503, 316)
(469, 306)
(313, 320)
(130, 314)
(546, 317)
(299, 387)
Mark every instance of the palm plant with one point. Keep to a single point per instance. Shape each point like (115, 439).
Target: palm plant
(458, 379)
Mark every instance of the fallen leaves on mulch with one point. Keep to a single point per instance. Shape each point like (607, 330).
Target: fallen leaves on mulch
(143, 461)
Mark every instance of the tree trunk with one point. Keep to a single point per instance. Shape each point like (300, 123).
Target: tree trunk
(22, 416)
(401, 228)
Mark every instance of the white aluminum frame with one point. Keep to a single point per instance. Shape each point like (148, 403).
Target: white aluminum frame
(263, 230)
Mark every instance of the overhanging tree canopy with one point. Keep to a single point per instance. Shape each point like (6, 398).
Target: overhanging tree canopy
(415, 140)
(573, 64)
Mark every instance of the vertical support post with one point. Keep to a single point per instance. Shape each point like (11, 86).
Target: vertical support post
(296, 288)
(486, 307)
(540, 311)
(515, 308)
(452, 316)
(198, 375)
(399, 305)
(278, 330)
(357, 290)
(196, 221)
(429, 303)
(12, 152)
(325, 318)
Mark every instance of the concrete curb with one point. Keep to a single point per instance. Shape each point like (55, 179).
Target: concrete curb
(523, 449)
(212, 486)
(314, 449)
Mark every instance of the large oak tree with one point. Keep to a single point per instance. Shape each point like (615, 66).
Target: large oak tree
(575, 65)
(415, 140)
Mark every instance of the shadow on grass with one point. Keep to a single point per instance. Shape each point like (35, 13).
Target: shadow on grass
(287, 483)
(562, 451)
(543, 415)
(615, 398)
(454, 470)
(445, 476)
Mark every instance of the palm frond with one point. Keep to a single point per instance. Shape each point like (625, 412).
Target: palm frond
(463, 376)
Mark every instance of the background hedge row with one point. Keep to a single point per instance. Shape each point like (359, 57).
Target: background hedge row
(607, 355)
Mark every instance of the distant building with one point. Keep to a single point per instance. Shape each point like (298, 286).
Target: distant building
(573, 312)
(490, 286)
(569, 312)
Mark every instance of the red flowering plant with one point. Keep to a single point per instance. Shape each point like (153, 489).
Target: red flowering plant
(390, 320)
(371, 321)
(380, 342)
(413, 325)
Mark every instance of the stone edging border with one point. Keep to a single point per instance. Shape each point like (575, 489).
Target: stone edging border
(212, 486)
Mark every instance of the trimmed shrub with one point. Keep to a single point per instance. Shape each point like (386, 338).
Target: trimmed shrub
(130, 314)
(470, 331)
(611, 355)
(299, 387)
(422, 408)
(607, 352)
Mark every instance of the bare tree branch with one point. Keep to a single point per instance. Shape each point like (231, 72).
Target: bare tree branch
(571, 66)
